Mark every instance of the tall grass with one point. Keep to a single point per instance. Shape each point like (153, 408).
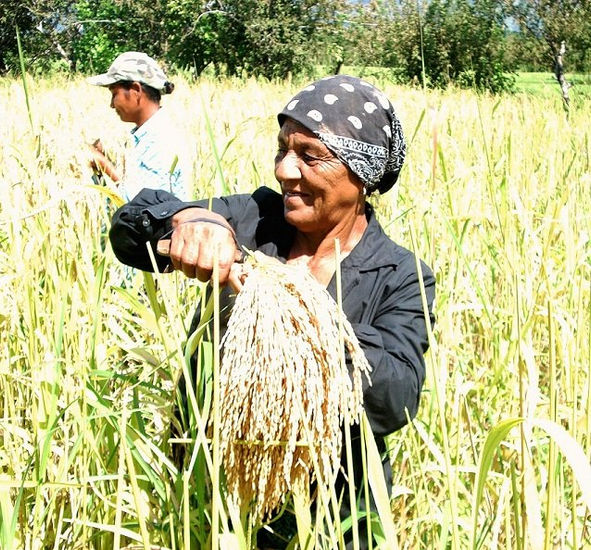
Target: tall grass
(494, 196)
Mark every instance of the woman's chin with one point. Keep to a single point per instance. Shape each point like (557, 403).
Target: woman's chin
(297, 218)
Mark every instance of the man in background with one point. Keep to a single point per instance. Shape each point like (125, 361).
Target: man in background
(155, 158)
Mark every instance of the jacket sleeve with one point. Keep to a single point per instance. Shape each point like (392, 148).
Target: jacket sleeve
(394, 344)
(146, 218)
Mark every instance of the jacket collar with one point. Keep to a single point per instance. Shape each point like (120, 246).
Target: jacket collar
(375, 249)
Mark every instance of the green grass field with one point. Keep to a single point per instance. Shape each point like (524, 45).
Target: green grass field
(545, 84)
(494, 196)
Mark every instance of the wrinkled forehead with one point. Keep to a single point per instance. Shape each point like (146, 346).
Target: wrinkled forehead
(294, 134)
(290, 126)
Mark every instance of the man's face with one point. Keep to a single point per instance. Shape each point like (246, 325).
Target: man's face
(124, 101)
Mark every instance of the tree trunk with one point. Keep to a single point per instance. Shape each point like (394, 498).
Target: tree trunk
(52, 38)
(63, 53)
(559, 73)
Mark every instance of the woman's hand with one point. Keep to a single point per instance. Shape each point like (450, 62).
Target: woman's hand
(199, 238)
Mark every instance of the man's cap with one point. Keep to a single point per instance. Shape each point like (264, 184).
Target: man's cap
(132, 67)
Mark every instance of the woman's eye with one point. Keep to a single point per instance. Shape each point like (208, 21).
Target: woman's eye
(308, 159)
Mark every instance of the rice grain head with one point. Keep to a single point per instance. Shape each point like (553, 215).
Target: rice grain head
(284, 389)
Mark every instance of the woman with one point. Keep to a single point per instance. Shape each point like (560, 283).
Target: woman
(156, 158)
(339, 142)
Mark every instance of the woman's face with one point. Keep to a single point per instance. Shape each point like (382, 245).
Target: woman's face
(319, 191)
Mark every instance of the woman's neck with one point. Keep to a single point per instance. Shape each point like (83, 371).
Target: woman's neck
(318, 251)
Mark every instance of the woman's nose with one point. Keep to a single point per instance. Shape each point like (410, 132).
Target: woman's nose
(287, 167)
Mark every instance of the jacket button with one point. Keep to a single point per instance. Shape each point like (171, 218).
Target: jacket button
(145, 222)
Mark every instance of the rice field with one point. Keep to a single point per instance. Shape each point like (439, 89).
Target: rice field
(495, 197)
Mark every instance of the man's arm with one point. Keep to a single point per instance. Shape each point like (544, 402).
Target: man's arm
(101, 163)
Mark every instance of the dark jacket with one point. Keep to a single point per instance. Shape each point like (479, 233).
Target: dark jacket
(381, 293)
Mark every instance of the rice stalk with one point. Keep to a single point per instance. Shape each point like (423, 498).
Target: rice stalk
(216, 501)
(21, 58)
(347, 421)
(571, 449)
(224, 190)
(378, 485)
(551, 483)
(120, 482)
(277, 361)
(505, 223)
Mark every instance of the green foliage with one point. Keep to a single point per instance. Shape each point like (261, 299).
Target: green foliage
(256, 37)
(104, 33)
(37, 22)
(109, 27)
(10, 19)
(456, 41)
(431, 42)
(434, 43)
(547, 23)
(524, 53)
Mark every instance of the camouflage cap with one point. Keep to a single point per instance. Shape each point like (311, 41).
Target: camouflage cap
(134, 67)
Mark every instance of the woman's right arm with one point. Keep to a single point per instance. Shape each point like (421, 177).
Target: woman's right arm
(145, 219)
(196, 235)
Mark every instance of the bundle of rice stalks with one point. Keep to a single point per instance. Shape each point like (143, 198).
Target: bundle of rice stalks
(285, 390)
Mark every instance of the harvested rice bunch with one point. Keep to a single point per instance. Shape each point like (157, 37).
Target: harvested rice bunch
(285, 391)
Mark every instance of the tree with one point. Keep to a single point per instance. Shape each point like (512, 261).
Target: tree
(367, 39)
(269, 38)
(554, 23)
(108, 27)
(450, 41)
(524, 53)
(12, 16)
(43, 26)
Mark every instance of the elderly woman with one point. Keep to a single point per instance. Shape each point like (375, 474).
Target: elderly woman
(339, 142)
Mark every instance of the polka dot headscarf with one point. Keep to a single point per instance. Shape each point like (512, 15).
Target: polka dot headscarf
(357, 123)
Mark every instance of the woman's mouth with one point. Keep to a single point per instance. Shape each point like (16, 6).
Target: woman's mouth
(294, 198)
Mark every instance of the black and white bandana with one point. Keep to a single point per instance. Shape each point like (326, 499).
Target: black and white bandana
(357, 123)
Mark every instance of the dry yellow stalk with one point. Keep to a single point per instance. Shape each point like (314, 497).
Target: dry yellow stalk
(282, 380)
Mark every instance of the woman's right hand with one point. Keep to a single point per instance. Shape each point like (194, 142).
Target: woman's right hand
(201, 237)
